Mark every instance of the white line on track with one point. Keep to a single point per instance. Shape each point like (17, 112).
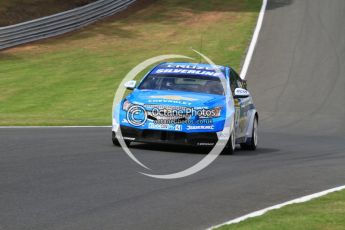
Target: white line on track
(243, 76)
(278, 206)
(254, 40)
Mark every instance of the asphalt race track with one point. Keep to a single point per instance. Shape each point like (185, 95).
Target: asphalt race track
(55, 178)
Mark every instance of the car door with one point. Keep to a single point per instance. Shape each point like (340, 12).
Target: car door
(233, 86)
(242, 106)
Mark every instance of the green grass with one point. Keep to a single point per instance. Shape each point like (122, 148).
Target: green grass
(326, 213)
(71, 80)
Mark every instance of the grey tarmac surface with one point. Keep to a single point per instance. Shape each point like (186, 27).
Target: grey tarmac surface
(54, 178)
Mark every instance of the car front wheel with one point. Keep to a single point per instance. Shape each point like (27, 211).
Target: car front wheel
(116, 141)
(230, 146)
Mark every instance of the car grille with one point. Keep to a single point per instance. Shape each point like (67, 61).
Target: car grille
(162, 136)
(180, 118)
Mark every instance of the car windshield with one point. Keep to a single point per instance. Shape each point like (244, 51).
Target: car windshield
(186, 83)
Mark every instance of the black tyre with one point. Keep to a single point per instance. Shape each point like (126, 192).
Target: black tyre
(230, 146)
(252, 143)
(116, 141)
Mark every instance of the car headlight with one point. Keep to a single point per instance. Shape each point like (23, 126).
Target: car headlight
(211, 113)
(217, 111)
(126, 105)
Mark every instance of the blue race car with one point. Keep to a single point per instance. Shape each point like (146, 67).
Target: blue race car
(187, 104)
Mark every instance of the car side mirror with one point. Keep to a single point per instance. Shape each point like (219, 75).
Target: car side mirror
(130, 84)
(241, 93)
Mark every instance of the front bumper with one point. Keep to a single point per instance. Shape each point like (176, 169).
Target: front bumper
(169, 137)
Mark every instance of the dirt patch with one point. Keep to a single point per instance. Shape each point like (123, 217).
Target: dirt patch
(25, 48)
(203, 18)
(138, 5)
(16, 11)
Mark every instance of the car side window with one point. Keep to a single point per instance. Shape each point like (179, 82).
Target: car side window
(233, 81)
(240, 83)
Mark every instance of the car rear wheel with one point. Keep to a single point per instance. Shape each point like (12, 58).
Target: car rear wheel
(252, 143)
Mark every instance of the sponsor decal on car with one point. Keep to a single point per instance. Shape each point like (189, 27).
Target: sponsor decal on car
(165, 126)
(205, 144)
(186, 71)
(194, 66)
(170, 101)
(174, 97)
(195, 127)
